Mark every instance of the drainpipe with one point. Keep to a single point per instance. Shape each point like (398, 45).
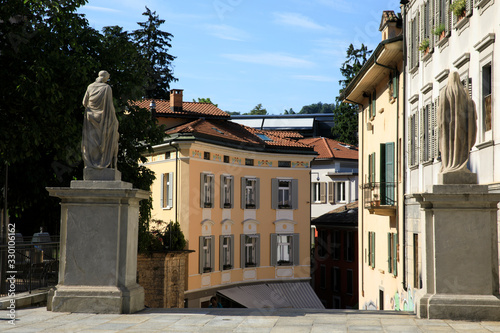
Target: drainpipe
(403, 171)
(176, 147)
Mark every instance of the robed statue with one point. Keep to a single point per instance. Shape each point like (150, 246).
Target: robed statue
(100, 126)
(457, 128)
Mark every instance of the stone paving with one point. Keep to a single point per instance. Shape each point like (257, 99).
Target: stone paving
(235, 320)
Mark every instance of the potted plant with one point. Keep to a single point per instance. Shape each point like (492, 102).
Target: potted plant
(424, 46)
(458, 8)
(376, 200)
(439, 30)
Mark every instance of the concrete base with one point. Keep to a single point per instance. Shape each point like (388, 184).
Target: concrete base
(458, 178)
(92, 299)
(460, 307)
(108, 174)
(460, 273)
(98, 262)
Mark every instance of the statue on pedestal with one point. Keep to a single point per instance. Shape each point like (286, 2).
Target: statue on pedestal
(100, 126)
(457, 132)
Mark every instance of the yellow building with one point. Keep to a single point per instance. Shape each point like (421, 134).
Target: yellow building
(378, 90)
(240, 195)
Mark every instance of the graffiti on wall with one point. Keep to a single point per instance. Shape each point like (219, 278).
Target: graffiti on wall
(401, 301)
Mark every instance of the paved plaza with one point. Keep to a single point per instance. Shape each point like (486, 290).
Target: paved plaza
(235, 320)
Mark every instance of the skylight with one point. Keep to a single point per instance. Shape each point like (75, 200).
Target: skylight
(217, 130)
(264, 137)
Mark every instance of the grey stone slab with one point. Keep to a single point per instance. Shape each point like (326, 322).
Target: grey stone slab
(402, 328)
(252, 330)
(259, 322)
(113, 326)
(328, 328)
(225, 322)
(289, 329)
(300, 321)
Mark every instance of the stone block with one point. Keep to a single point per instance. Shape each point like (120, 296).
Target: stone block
(101, 174)
(461, 177)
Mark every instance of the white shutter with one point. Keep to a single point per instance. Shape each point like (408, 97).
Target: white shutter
(421, 135)
(170, 189)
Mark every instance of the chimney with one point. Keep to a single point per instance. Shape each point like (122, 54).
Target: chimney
(390, 24)
(176, 99)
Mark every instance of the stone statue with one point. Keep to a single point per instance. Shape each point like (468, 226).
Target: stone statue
(100, 126)
(457, 131)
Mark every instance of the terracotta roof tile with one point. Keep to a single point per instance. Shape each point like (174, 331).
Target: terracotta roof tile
(329, 148)
(230, 131)
(189, 109)
(285, 134)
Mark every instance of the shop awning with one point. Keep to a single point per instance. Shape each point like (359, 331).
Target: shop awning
(299, 295)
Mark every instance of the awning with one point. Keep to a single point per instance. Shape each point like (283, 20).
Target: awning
(299, 295)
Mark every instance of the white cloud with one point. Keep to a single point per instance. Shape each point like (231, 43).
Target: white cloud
(226, 32)
(271, 59)
(340, 5)
(317, 78)
(296, 19)
(102, 9)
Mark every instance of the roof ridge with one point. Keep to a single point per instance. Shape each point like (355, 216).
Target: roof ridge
(328, 147)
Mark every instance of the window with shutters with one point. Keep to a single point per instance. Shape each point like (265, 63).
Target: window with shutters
(284, 193)
(335, 244)
(336, 279)
(417, 283)
(322, 274)
(331, 193)
(167, 180)
(207, 190)
(392, 249)
(371, 249)
(250, 250)
(434, 136)
(350, 282)
(226, 252)
(318, 192)
(371, 168)
(207, 252)
(426, 130)
(227, 191)
(340, 192)
(387, 174)
(349, 246)
(285, 249)
(413, 139)
(486, 100)
(250, 192)
(393, 86)
(414, 42)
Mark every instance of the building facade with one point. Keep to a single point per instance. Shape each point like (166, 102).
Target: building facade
(442, 37)
(240, 195)
(335, 258)
(378, 91)
(334, 175)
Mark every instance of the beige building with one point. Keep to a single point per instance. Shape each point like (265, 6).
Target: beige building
(242, 199)
(378, 91)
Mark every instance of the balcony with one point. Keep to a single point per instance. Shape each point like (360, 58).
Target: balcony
(380, 198)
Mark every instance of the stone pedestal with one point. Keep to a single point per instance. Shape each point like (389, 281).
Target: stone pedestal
(461, 253)
(98, 261)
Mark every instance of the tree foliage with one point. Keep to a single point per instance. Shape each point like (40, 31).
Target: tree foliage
(154, 44)
(345, 116)
(257, 110)
(49, 55)
(317, 108)
(205, 100)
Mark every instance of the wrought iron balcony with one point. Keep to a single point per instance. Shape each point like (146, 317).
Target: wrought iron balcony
(380, 198)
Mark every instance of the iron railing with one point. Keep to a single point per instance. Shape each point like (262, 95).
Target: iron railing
(379, 194)
(36, 266)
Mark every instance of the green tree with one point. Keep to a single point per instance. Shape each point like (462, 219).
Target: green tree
(257, 110)
(49, 55)
(317, 108)
(345, 116)
(289, 111)
(205, 100)
(154, 45)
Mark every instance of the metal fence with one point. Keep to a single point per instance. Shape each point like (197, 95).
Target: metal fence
(379, 194)
(28, 265)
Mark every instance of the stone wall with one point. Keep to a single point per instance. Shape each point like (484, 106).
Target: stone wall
(162, 275)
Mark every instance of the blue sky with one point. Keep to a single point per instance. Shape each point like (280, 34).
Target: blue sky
(280, 53)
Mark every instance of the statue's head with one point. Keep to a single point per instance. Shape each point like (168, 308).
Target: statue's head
(103, 76)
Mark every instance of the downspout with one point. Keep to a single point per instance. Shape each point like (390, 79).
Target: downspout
(403, 171)
(176, 177)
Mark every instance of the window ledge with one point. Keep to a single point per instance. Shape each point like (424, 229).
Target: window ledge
(167, 208)
(485, 144)
(413, 167)
(461, 25)
(443, 42)
(429, 162)
(414, 69)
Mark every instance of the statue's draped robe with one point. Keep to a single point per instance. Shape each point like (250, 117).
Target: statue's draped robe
(457, 125)
(100, 127)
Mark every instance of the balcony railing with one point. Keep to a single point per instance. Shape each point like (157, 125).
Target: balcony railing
(380, 198)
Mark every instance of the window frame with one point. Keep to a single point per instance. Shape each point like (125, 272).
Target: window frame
(207, 251)
(226, 191)
(278, 244)
(371, 249)
(278, 193)
(207, 190)
(167, 183)
(318, 192)
(244, 245)
(254, 188)
(226, 252)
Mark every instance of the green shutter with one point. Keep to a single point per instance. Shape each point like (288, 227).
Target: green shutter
(395, 85)
(170, 189)
(382, 188)
(395, 254)
(389, 252)
(390, 173)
